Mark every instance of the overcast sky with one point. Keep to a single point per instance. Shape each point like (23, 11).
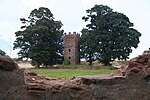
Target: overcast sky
(70, 13)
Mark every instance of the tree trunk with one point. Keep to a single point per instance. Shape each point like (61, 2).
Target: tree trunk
(90, 60)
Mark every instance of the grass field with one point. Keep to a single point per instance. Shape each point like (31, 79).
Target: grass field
(66, 73)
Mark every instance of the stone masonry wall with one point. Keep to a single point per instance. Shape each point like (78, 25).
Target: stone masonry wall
(71, 48)
(128, 83)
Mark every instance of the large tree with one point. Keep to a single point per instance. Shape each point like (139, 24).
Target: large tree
(88, 46)
(112, 32)
(40, 38)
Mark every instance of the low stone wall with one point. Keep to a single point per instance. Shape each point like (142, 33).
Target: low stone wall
(127, 83)
(133, 87)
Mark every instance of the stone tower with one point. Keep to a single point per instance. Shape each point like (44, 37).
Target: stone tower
(71, 48)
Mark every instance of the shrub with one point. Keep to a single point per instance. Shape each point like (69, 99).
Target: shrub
(2, 53)
(66, 62)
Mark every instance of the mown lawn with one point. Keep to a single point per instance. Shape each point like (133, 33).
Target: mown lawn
(66, 73)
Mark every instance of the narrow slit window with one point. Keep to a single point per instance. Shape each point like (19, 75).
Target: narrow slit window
(69, 50)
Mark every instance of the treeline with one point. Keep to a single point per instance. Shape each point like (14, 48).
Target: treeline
(109, 35)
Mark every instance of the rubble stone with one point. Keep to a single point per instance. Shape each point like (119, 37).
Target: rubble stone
(137, 64)
(8, 64)
(131, 82)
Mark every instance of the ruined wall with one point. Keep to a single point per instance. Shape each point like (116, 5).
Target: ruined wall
(71, 48)
(129, 83)
(13, 87)
(133, 87)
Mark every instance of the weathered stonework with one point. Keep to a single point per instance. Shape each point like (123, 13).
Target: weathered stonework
(130, 83)
(71, 48)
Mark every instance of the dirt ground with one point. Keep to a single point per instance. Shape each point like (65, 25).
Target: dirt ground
(25, 65)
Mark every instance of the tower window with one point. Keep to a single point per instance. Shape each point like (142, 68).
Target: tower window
(69, 57)
(69, 50)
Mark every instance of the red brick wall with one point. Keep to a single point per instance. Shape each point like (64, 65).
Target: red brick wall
(71, 48)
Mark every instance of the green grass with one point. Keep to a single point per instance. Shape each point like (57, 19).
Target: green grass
(66, 73)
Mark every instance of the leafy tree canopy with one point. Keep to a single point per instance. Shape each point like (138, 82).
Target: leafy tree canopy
(40, 38)
(109, 35)
(2, 53)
